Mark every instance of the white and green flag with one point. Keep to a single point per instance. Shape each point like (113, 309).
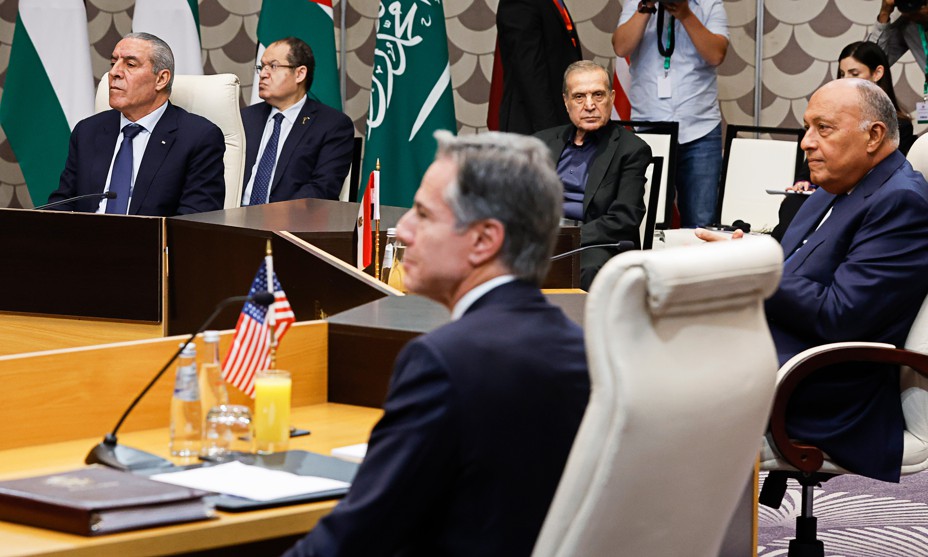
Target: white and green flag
(410, 96)
(176, 22)
(48, 88)
(310, 20)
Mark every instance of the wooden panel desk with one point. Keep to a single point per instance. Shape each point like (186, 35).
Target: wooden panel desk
(76, 279)
(333, 425)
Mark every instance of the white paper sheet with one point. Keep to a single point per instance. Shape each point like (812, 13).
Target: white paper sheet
(251, 482)
(351, 453)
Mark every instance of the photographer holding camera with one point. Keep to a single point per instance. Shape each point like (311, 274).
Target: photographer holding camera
(675, 47)
(907, 32)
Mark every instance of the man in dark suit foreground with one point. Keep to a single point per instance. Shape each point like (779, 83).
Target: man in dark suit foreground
(856, 260)
(601, 165)
(306, 150)
(158, 159)
(481, 413)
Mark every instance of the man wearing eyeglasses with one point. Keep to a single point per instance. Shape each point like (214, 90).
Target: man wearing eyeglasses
(295, 147)
(601, 166)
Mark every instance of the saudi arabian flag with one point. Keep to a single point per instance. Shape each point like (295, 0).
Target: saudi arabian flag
(310, 20)
(176, 22)
(410, 96)
(48, 88)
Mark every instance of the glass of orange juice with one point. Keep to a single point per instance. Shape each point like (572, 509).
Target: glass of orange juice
(272, 411)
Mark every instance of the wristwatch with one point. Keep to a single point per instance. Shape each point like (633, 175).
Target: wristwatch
(643, 8)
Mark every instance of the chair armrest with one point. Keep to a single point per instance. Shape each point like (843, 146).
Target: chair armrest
(807, 458)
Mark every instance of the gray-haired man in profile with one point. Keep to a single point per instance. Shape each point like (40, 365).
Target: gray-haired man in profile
(481, 413)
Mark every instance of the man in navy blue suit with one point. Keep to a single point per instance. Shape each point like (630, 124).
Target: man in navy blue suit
(304, 152)
(481, 413)
(165, 162)
(856, 260)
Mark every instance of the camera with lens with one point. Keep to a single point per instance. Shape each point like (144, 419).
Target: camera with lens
(906, 6)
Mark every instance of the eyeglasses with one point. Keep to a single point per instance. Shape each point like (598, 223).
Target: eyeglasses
(580, 98)
(272, 66)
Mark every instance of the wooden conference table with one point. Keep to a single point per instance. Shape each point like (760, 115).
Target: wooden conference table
(333, 425)
(59, 404)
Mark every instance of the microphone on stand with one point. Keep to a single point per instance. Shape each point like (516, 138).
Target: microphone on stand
(621, 245)
(104, 195)
(109, 452)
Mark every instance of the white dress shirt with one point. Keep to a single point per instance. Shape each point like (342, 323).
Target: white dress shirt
(139, 143)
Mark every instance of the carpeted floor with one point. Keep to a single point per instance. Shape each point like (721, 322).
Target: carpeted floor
(857, 517)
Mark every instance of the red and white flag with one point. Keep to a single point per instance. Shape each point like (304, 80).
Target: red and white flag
(368, 212)
(621, 82)
(251, 345)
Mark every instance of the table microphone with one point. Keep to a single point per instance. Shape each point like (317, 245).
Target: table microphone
(104, 195)
(120, 457)
(621, 245)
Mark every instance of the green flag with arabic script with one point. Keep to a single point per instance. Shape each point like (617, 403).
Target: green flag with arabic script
(410, 96)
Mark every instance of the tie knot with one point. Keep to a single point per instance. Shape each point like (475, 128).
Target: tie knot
(278, 117)
(131, 130)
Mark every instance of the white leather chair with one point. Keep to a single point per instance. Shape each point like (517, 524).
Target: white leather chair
(682, 371)
(918, 155)
(216, 98)
(809, 465)
(750, 167)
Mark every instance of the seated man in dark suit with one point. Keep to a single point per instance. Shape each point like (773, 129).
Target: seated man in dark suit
(856, 261)
(481, 413)
(306, 150)
(601, 165)
(165, 161)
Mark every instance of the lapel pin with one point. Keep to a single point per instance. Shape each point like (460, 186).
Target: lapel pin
(163, 142)
(305, 118)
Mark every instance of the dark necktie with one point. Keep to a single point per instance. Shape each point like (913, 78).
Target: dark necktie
(266, 167)
(121, 177)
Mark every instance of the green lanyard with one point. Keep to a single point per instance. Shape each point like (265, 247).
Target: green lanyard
(667, 51)
(921, 32)
(670, 42)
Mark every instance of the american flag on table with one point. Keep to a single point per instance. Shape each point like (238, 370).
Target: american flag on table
(252, 341)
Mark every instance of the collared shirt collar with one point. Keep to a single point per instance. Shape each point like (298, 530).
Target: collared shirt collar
(476, 293)
(291, 112)
(148, 122)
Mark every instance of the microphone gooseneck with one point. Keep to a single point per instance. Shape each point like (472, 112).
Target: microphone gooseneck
(621, 245)
(103, 195)
(109, 452)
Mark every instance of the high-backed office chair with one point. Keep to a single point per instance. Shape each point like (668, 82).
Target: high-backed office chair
(353, 180)
(809, 465)
(751, 166)
(215, 97)
(659, 386)
(653, 177)
(918, 155)
(662, 138)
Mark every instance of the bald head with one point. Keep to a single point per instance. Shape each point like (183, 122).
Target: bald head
(851, 126)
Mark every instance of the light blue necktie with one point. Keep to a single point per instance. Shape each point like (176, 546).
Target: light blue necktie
(262, 181)
(121, 177)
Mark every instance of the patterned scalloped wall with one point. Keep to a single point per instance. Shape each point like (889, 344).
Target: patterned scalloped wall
(801, 39)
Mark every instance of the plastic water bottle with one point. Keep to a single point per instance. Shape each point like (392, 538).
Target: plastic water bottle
(212, 386)
(186, 413)
(387, 265)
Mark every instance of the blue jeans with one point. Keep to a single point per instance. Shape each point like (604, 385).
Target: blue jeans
(699, 163)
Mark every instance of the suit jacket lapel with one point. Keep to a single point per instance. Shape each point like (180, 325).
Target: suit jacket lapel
(105, 144)
(253, 133)
(300, 127)
(608, 139)
(159, 145)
